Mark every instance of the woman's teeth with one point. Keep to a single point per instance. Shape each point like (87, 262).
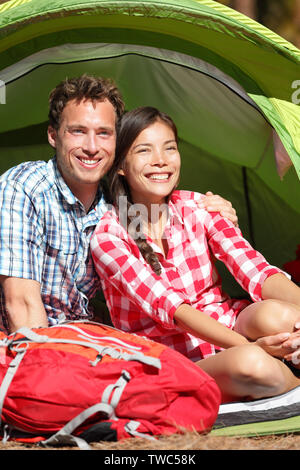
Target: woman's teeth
(161, 176)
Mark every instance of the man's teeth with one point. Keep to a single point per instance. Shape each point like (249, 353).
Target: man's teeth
(88, 162)
(161, 176)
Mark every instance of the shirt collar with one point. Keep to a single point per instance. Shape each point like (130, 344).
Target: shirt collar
(175, 216)
(60, 182)
(99, 202)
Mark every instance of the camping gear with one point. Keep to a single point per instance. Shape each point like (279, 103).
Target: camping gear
(231, 85)
(77, 382)
(276, 415)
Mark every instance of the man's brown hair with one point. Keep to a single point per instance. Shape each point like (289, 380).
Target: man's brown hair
(85, 87)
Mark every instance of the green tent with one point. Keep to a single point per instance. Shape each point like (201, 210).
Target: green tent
(231, 85)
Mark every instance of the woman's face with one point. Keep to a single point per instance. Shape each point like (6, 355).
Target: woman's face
(152, 165)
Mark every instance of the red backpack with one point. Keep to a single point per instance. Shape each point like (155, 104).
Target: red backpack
(83, 382)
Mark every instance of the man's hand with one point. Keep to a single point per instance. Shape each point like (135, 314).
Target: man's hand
(214, 203)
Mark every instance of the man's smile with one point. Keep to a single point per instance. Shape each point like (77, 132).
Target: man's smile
(88, 162)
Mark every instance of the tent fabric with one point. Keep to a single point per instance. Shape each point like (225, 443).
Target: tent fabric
(277, 415)
(227, 81)
(262, 428)
(257, 417)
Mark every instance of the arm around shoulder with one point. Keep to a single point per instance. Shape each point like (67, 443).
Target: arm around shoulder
(23, 303)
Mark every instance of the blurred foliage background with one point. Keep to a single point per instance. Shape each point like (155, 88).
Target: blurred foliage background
(281, 16)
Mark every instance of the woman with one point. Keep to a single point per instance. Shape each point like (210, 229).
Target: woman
(155, 253)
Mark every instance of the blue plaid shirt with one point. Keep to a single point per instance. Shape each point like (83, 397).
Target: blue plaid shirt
(44, 235)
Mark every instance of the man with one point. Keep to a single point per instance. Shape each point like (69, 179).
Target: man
(49, 209)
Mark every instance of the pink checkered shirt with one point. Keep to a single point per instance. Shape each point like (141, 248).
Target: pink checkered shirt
(143, 303)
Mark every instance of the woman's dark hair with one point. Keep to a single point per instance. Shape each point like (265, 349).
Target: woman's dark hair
(130, 126)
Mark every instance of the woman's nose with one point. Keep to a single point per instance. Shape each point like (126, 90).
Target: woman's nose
(158, 158)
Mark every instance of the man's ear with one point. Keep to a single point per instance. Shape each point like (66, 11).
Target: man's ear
(52, 135)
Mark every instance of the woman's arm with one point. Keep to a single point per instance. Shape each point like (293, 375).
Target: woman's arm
(124, 275)
(121, 270)
(206, 328)
(279, 287)
(249, 267)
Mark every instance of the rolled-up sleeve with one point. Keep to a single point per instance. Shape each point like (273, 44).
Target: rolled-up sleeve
(121, 271)
(20, 250)
(247, 265)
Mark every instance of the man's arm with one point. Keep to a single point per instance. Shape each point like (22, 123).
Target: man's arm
(23, 303)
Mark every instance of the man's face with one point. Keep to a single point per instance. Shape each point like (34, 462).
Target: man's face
(85, 144)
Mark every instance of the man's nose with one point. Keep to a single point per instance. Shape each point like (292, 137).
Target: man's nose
(90, 144)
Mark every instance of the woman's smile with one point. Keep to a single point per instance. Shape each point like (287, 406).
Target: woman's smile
(152, 164)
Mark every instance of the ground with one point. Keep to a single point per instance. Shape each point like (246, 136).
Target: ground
(188, 442)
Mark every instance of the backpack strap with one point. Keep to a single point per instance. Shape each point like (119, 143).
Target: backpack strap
(110, 399)
(113, 392)
(114, 352)
(131, 428)
(65, 436)
(7, 379)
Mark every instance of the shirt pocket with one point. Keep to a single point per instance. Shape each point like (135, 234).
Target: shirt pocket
(61, 255)
(61, 243)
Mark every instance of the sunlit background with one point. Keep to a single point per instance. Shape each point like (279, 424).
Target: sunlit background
(282, 16)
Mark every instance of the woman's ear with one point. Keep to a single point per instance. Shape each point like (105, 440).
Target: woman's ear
(121, 172)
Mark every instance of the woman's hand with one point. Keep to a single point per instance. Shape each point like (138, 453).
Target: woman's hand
(283, 345)
(274, 344)
(214, 203)
(293, 345)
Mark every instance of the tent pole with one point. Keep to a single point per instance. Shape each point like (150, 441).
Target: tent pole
(248, 206)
